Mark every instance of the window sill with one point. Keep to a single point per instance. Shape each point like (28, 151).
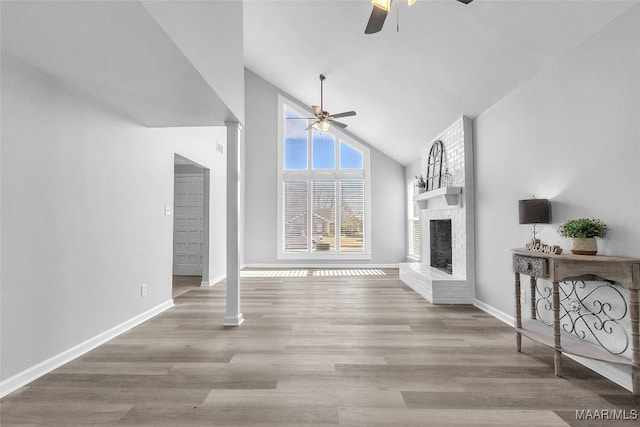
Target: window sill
(322, 256)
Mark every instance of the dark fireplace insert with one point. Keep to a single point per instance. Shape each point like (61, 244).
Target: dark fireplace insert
(441, 245)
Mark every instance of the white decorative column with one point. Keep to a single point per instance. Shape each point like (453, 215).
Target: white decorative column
(233, 316)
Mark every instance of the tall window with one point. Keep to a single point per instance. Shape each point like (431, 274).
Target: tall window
(323, 198)
(413, 250)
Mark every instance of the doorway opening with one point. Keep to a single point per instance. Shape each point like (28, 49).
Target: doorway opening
(190, 225)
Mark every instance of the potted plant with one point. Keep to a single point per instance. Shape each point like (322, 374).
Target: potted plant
(583, 233)
(422, 184)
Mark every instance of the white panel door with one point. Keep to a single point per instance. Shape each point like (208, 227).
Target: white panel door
(188, 225)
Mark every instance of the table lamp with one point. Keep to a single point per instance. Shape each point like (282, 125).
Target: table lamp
(534, 211)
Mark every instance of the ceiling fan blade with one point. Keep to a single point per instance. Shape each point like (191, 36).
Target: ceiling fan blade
(338, 124)
(465, 1)
(317, 110)
(345, 114)
(376, 20)
(301, 118)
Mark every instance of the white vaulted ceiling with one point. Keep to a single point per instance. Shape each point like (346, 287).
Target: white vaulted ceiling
(447, 60)
(115, 53)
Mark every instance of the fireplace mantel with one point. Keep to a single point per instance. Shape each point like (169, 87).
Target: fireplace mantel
(450, 195)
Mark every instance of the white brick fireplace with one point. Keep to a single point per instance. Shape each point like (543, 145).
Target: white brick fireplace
(455, 203)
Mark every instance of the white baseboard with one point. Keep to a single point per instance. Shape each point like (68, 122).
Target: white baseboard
(23, 378)
(500, 315)
(320, 265)
(613, 372)
(213, 281)
(619, 374)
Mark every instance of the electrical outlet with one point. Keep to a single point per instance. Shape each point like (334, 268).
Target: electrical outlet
(143, 290)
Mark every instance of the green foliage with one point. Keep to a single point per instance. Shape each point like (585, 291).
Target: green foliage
(421, 182)
(583, 228)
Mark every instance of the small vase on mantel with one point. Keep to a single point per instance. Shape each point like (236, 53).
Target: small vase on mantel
(584, 246)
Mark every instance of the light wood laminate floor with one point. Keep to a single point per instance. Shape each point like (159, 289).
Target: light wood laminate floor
(182, 284)
(317, 351)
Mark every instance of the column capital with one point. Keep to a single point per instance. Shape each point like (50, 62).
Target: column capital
(233, 124)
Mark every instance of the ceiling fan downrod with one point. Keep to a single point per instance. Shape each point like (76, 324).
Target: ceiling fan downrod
(322, 77)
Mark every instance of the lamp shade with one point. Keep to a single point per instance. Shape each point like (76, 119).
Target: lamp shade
(534, 211)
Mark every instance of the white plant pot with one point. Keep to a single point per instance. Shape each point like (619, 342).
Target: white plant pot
(584, 246)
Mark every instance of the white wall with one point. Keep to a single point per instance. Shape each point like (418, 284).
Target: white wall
(83, 224)
(571, 134)
(261, 138)
(209, 33)
(199, 144)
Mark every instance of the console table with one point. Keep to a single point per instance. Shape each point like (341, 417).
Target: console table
(617, 271)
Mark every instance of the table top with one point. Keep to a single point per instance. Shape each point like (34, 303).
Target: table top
(571, 257)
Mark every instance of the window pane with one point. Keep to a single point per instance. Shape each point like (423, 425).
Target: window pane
(322, 191)
(295, 217)
(414, 238)
(324, 151)
(323, 222)
(350, 157)
(414, 220)
(414, 209)
(295, 140)
(351, 216)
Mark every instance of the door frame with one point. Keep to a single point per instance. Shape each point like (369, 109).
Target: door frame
(180, 160)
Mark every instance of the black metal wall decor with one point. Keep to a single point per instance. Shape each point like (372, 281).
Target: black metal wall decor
(434, 166)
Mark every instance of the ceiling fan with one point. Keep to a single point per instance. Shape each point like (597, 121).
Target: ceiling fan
(324, 120)
(380, 11)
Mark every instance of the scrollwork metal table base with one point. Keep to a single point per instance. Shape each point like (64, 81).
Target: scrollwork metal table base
(580, 312)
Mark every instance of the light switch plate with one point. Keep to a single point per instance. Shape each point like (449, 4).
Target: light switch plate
(167, 209)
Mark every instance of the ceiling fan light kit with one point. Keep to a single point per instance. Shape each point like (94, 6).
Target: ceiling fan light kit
(383, 4)
(386, 4)
(321, 125)
(380, 11)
